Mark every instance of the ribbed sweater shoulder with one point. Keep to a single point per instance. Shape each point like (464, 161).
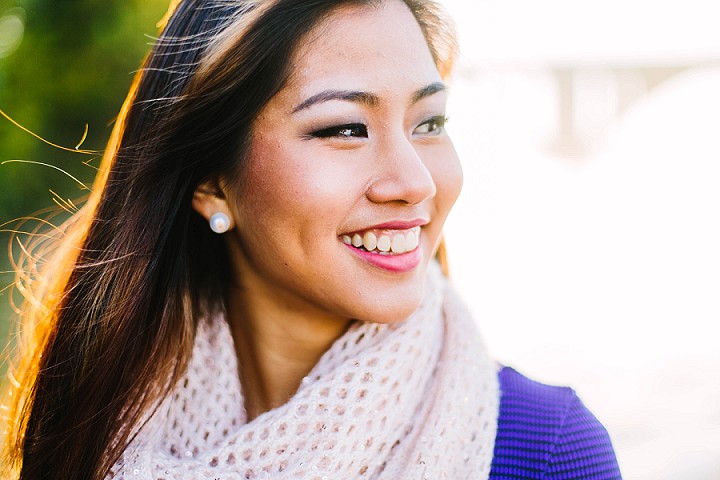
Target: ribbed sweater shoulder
(545, 432)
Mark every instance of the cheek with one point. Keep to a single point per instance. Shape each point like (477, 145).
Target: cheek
(448, 176)
(292, 184)
(273, 177)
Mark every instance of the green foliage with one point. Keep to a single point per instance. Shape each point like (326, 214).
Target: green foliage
(72, 67)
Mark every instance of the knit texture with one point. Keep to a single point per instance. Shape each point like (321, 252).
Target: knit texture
(546, 432)
(413, 400)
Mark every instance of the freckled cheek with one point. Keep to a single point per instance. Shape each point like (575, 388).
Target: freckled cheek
(298, 187)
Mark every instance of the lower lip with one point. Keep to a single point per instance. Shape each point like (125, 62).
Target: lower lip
(403, 262)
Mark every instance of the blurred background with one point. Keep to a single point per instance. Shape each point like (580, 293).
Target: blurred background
(587, 238)
(63, 65)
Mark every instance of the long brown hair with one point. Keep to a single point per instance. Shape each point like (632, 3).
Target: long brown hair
(110, 322)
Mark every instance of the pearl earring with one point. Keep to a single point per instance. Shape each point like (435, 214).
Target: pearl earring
(219, 222)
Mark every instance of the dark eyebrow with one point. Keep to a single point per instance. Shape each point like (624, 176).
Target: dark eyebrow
(364, 98)
(431, 89)
(347, 95)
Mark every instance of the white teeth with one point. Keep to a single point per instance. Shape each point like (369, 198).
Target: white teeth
(411, 241)
(383, 243)
(370, 241)
(398, 243)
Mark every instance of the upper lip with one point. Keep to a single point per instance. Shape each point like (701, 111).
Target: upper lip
(396, 225)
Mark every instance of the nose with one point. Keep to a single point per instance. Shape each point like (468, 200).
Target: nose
(402, 176)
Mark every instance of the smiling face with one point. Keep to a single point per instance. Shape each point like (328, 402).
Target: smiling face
(349, 174)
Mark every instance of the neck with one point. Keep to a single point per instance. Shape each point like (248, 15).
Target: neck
(276, 348)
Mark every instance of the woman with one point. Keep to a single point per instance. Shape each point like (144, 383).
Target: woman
(252, 291)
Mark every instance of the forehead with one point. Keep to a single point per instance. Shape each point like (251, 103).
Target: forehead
(378, 48)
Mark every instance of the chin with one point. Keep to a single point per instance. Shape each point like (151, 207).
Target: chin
(393, 307)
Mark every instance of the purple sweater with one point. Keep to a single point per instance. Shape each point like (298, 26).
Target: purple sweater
(547, 433)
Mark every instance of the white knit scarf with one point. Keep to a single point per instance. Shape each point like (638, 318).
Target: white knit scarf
(414, 400)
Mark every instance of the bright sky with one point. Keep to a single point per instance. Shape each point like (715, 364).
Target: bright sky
(532, 32)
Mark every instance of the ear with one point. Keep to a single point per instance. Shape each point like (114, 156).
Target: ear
(209, 199)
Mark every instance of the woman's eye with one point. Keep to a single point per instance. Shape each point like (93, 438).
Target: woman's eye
(351, 130)
(433, 126)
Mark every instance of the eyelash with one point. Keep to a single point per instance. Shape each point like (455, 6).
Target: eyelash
(438, 122)
(359, 130)
(349, 130)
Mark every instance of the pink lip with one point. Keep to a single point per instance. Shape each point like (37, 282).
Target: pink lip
(396, 225)
(392, 263)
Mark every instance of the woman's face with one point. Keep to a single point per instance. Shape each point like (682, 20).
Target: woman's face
(350, 174)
